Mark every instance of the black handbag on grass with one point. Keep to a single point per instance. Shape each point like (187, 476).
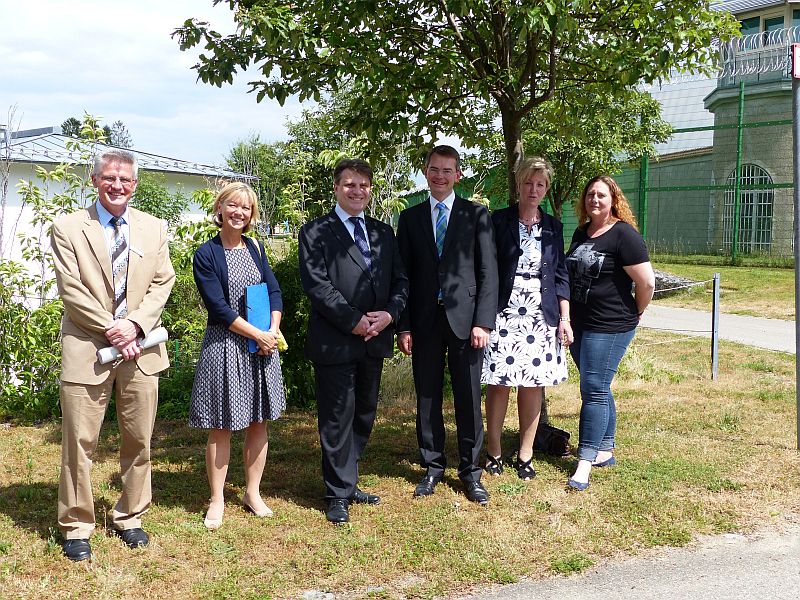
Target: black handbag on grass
(551, 440)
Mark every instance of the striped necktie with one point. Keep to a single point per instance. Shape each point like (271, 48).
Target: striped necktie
(441, 226)
(361, 240)
(119, 269)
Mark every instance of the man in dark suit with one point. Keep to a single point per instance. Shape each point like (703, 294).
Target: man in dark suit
(114, 276)
(447, 246)
(350, 268)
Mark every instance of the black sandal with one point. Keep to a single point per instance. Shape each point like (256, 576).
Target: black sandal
(494, 465)
(525, 471)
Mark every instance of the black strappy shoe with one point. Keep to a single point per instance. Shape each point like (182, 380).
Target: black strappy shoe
(525, 470)
(494, 465)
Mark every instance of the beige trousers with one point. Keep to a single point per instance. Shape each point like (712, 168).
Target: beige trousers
(83, 408)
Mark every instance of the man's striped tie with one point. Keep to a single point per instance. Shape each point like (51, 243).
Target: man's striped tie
(441, 226)
(119, 269)
(441, 230)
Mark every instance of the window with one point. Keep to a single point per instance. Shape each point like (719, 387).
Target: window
(752, 25)
(773, 24)
(755, 211)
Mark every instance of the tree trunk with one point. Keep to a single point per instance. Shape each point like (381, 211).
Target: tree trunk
(512, 136)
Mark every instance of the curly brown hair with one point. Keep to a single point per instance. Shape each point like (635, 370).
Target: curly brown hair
(619, 203)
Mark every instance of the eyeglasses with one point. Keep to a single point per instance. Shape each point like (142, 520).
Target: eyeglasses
(123, 181)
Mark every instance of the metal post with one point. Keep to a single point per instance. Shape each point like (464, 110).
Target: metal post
(737, 186)
(796, 230)
(644, 175)
(715, 328)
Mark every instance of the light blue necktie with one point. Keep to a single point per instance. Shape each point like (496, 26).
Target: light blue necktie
(441, 226)
(361, 240)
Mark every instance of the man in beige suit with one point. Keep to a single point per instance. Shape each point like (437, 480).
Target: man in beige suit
(114, 276)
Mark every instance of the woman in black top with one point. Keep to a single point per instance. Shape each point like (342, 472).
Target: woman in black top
(606, 257)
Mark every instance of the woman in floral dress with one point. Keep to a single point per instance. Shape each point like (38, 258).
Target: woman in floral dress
(526, 348)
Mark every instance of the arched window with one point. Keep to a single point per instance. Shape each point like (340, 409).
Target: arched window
(755, 212)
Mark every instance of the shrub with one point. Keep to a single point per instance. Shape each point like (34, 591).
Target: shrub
(30, 353)
(298, 373)
(185, 319)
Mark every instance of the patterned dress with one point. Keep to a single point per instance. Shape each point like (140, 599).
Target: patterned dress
(233, 387)
(523, 349)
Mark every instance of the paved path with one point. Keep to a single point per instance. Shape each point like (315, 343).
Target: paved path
(772, 334)
(727, 567)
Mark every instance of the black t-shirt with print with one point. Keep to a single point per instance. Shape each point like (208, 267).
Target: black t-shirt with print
(601, 296)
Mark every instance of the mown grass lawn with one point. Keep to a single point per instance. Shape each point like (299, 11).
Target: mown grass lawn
(695, 457)
(755, 291)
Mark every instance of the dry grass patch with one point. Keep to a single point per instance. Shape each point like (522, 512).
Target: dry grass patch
(742, 290)
(695, 457)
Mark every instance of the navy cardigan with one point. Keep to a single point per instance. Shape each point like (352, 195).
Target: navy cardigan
(210, 271)
(555, 279)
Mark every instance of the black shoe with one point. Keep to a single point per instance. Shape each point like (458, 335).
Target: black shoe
(77, 549)
(475, 492)
(425, 487)
(525, 470)
(133, 538)
(362, 497)
(337, 512)
(494, 465)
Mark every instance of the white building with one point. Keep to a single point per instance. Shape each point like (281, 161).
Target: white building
(22, 152)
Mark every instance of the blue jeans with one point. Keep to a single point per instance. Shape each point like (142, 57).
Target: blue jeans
(597, 356)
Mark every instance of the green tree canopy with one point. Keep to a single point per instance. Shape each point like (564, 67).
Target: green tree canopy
(296, 175)
(421, 68)
(583, 134)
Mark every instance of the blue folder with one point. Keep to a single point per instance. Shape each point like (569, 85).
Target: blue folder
(257, 309)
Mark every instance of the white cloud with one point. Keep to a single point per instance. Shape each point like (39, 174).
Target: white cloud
(61, 59)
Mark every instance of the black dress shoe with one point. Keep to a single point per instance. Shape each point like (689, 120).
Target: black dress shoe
(337, 512)
(475, 492)
(77, 549)
(425, 487)
(133, 538)
(362, 497)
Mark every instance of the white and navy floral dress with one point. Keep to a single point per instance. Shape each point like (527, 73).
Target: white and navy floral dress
(523, 349)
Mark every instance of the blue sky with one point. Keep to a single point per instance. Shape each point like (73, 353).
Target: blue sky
(117, 60)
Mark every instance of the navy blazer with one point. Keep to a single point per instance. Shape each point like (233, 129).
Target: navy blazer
(210, 270)
(555, 279)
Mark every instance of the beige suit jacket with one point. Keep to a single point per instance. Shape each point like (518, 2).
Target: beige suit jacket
(83, 274)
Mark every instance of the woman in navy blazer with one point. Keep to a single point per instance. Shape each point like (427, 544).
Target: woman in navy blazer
(526, 348)
(235, 389)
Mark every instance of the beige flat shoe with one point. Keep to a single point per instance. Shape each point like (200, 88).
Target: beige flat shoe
(267, 512)
(213, 523)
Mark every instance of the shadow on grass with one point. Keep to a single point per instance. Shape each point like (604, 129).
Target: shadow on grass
(292, 472)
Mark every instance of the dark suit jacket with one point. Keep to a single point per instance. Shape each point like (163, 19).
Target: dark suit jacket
(341, 288)
(210, 271)
(555, 279)
(466, 272)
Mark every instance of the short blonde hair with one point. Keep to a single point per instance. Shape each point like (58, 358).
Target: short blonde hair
(233, 190)
(534, 165)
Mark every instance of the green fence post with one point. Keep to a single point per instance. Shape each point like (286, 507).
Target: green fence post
(644, 175)
(737, 186)
(177, 353)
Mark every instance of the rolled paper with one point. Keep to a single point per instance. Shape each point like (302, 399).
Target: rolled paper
(155, 337)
